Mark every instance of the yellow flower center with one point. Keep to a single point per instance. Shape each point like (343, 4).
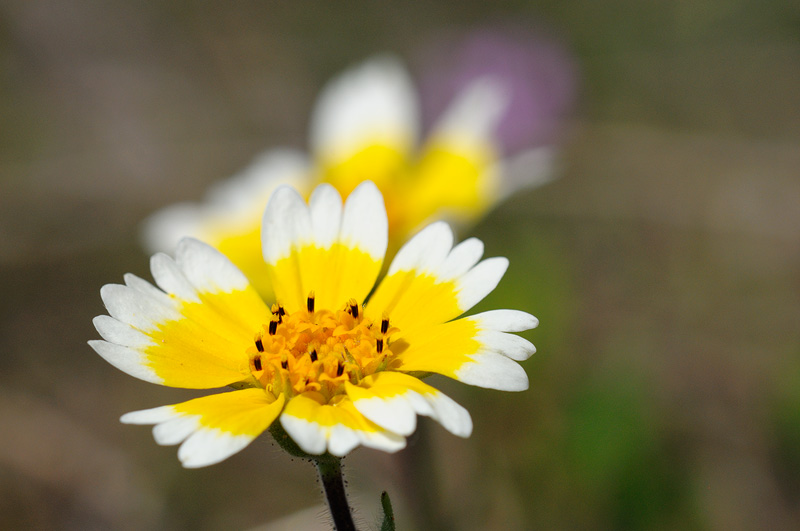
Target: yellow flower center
(318, 350)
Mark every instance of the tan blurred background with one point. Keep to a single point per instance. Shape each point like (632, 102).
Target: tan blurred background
(664, 264)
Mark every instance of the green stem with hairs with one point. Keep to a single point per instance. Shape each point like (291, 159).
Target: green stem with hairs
(330, 473)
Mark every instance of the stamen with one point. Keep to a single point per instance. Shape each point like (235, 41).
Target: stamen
(384, 325)
(379, 345)
(273, 327)
(314, 355)
(310, 303)
(353, 308)
(278, 310)
(257, 362)
(284, 364)
(259, 344)
(339, 369)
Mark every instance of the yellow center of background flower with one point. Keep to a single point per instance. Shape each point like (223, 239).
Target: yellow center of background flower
(315, 351)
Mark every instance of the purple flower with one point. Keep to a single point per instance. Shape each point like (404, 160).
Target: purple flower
(537, 71)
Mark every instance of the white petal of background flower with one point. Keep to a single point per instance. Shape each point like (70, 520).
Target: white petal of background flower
(476, 110)
(374, 103)
(230, 203)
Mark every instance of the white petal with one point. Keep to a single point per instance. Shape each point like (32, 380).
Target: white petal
(162, 231)
(529, 169)
(480, 281)
(420, 404)
(385, 441)
(286, 223)
(515, 347)
(141, 310)
(395, 414)
(338, 438)
(121, 333)
(208, 447)
(505, 320)
(149, 416)
(175, 430)
(207, 269)
(461, 259)
(374, 103)
(170, 278)
(493, 371)
(451, 415)
(246, 413)
(393, 400)
(475, 111)
(125, 359)
(139, 284)
(252, 187)
(341, 440)
(231, 205)
(325, 207)
(364, 222)
(309, 436)
(426, 251)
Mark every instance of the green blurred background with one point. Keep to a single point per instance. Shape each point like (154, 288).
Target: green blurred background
(664, 264)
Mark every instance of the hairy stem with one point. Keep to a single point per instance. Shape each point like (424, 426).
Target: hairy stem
(330, 472)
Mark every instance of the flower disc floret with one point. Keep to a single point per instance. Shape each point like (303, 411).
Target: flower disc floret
(317, 351)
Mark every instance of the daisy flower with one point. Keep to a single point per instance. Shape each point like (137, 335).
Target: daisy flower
(333, 370)
(366, 126)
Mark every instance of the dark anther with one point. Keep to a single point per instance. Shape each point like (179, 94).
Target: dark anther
(339, 369)
(385, 325)
(314, 355)
(273, 327)
(379, 346)
(259, 345)
(310, 303)
(285, 363)
(257, 363)
(278, 310)
(354, 310)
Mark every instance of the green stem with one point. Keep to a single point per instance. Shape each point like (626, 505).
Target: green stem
(330, 472)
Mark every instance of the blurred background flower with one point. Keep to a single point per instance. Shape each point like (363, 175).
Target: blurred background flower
(663, 263)
(366, 125)
(537, 68)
